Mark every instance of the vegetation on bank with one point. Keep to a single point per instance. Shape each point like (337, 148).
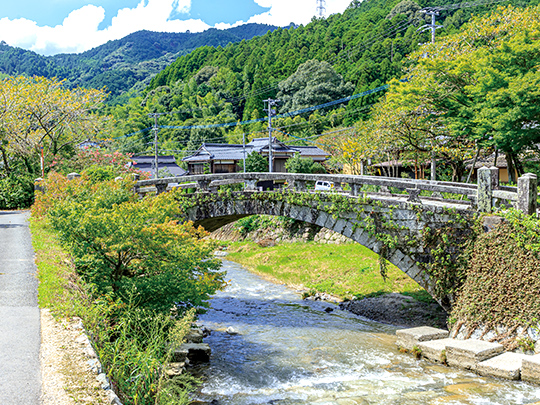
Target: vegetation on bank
(502, 276)
(346, 271)
(132, 273)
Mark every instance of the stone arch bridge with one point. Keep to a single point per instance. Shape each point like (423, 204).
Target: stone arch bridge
(403, 220)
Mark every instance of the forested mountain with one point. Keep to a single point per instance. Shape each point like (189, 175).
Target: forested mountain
(365, 47)
(121, 64)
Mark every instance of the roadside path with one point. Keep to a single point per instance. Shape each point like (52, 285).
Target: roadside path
(20, 376)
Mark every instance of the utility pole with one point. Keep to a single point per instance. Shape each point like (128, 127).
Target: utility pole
(321, 7)
(433, 12)
(271, 112)
(244, 149)
(156, 130)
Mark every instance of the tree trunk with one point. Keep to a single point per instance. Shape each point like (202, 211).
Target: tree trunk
(5, 159)
(511, 169)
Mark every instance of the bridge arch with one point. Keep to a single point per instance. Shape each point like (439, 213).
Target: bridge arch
(372, 224)
(400, 226)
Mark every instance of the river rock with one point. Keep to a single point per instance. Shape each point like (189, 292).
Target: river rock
(230, 330)
(180, 355)
(468, 353)
(506, 365)
(195, 336)
(197, 352)
(175, 369)
(409, 338)
(530, 369)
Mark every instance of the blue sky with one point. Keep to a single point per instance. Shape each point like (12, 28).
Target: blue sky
(65, 26)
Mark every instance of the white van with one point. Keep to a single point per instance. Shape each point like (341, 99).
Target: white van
(322, 185)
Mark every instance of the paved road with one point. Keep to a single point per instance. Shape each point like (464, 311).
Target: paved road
(20, 375)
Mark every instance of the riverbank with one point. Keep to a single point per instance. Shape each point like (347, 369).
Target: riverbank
(344, 273)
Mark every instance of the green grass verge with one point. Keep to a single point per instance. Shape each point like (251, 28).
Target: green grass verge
(346, 271)
(58, 283)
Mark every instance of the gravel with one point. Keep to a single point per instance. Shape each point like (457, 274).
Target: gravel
(399, 310)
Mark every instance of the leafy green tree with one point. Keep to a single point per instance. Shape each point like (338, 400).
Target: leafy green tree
(256, 163)
(483, 82)
(299, 164)
(313, 83)
(133, 249)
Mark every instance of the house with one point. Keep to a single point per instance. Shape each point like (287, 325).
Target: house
(489, 161)
(166, 165)
(227, 158)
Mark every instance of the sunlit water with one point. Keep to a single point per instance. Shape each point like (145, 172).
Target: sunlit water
(290, 351)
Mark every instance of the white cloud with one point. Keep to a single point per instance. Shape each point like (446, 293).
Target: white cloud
(183, 6)
(283, 12)
(79, 30)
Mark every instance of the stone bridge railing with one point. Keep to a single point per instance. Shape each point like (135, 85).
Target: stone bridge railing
(483, 197)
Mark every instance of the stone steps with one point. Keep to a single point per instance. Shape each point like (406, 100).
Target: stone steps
(482, 357)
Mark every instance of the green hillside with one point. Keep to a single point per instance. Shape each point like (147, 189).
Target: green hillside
(364, 48)
(121, 64)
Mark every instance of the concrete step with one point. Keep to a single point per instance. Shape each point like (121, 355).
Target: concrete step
(507, 365)
(408, 338)
(530, 369)
(467, 354)
(435, 350)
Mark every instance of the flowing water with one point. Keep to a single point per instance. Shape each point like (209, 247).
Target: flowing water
(291, 351)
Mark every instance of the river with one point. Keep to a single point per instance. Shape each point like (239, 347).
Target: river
(291, 351)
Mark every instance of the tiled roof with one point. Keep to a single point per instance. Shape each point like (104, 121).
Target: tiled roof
(146, 163)
(310, 151)
(150, 159)
(220, 151)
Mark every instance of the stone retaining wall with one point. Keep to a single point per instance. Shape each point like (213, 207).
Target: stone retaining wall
(305, 233)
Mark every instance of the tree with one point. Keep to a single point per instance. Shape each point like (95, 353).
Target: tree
(42, 113)
(483, 83)
(133, 249)
(299, 164)
(313, 83)
(256, 163)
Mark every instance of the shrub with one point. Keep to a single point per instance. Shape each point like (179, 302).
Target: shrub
(16, 191)
(121, 244)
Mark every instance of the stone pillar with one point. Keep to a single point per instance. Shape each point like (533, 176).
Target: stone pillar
(485, 191)
(160, 188)
(203, 185)
(414, 195)
(38, 185)
(299, 185)
(73, 176)
(494, 177)
(355, 189)
(527, 193)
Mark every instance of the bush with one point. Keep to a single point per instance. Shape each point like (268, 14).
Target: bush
(16, 192)
(121, 244)
(298, 164)
(503, 275)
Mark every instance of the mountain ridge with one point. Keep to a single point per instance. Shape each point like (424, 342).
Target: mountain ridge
(121, 64)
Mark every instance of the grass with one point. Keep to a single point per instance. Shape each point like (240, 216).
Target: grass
(58, 287)
(345, 271)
